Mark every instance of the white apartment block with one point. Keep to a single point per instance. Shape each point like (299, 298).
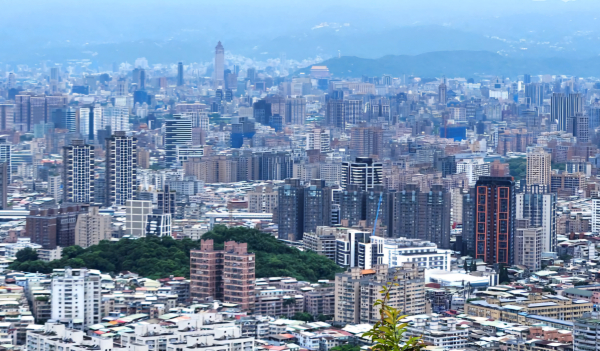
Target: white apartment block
(474, 168)
(425, 254)
(538, 167)
(10, 250)
(117, 118)
(92, 227)
(318, 139)
(262, 199)
(56, 336)
(136, 217)
(443, 333)
(55, 187)
(595, 215)
(76, 297)
(205, 331)
(331, 173)
(528, 247)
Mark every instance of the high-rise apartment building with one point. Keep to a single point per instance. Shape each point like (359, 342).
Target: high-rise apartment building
(54, 226)
(335, 113)
(353, 111)
(302, 208)
(275, 165)
(586, 332)
(366, 141)
(473, 168)
(227, 275)
(595, 223)
(4, 181)
(528, 245)
(495, 219)
(238, 275)
(6, 156)
(318, 139)
(357, 290)
(166, 200)
(290, 210)
(90, 122)
(262, 199)
(317, 205)
(443, 92)
(363, 172)
(567, 182)
(575, 104)
(219, 66)
(120, 169)
(578, 125)
(593, 114)
(262, 112)
(422, 215)
(78, 172)
(558, 110)
(540, 209)
(55, 187)
(534, 92)
(7, 116)
(178, 132)
(351, 201)
(22, 113)
(117, 117)
(76, 298)
(295, 110)
(180, 74)
(538, 168)
(92, 227)
(37, 110)
(136, 217)
(159, 224)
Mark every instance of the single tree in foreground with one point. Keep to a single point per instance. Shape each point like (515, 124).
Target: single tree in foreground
(387, 334)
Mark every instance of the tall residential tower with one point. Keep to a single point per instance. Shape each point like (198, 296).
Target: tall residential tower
(121, 169)
(219, 66)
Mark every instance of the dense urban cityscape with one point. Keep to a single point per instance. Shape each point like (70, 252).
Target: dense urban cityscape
(262, 205)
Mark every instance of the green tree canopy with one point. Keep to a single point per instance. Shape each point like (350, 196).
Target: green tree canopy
(303, 316)
(27, 254)
(518, 167)
(156, 257)
(274, 258)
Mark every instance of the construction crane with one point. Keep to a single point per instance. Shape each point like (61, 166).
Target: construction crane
(377, 215)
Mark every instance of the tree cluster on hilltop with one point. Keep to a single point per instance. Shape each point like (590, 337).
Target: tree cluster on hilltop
(156, 257)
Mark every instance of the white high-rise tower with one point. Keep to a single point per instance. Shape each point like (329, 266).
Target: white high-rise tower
(219, 66)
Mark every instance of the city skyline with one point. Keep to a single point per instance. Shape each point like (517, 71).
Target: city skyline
(243, 176)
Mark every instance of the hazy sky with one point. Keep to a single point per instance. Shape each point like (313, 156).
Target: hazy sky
(100, 20)
(36, 27)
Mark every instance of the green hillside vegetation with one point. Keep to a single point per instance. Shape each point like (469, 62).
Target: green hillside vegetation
(458, 63)
(274, 258)
(156, 257)
(518, 167)
(151, 257)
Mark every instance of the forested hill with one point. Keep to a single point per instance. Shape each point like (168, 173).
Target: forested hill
(155, 257)
(470, 64)
(273, 258)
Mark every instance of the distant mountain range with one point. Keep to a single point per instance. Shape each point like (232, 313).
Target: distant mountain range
(459, 64)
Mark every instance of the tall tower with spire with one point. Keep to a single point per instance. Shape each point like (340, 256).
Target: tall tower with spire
(443, 89)
(219, 81)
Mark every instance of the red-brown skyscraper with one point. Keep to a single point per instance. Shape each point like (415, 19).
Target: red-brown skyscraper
(495, 219)
(227, 275)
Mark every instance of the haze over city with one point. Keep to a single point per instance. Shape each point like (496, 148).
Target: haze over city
(300, 175)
